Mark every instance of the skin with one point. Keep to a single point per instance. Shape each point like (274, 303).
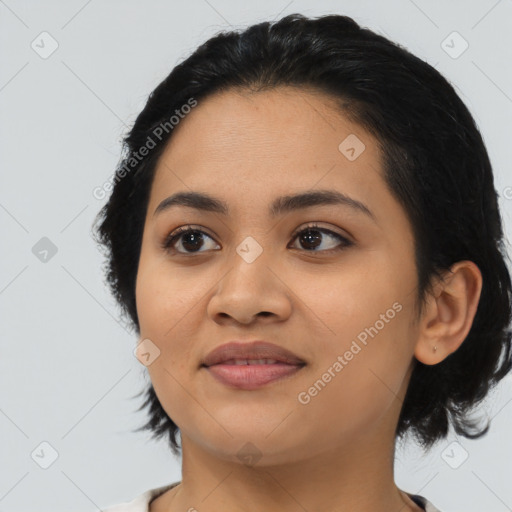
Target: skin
(335, 453)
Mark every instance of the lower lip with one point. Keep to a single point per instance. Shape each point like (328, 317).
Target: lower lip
(251, 376)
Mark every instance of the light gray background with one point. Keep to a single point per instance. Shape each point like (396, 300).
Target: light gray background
(67, 367)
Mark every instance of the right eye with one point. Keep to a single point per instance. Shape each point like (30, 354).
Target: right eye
(190, 238)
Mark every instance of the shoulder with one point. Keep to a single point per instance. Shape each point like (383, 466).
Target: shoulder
(141, 502)
(423, 502)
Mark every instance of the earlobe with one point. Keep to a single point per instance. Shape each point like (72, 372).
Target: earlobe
(449, 313)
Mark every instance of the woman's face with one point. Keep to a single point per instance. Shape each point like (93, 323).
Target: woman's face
(345, 305)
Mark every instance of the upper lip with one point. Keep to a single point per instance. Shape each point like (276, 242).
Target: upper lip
(250, 350)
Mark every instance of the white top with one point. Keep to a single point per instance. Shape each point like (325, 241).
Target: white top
(141, 502)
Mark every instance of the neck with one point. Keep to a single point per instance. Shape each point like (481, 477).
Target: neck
(354, 477)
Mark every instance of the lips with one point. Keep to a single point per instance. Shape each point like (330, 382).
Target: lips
(236, 353)
(250, 366)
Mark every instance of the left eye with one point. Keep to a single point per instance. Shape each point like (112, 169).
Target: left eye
(312, 237)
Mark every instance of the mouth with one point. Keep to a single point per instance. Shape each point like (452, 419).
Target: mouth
(251, 374)
(251, 365)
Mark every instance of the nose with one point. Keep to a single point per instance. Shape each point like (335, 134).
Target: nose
(251, 290)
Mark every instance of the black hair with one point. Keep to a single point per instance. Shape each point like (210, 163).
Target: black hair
(435, 164)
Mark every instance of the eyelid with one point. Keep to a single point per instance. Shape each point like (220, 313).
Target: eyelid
(183, 229)
(317, 225)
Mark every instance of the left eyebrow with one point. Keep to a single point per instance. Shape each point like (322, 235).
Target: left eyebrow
(280, 206)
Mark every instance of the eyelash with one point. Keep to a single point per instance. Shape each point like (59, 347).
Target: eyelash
(170, 239)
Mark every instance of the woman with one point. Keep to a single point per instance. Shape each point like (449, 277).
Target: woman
(305, 235)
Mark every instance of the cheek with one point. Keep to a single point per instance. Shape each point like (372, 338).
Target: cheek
(163, 298)
(152, 303)
(354, 384)
(162, 307)
(366, 320)
(169, 309)
(342, 304)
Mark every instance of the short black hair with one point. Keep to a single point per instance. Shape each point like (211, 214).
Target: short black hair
(435, 164)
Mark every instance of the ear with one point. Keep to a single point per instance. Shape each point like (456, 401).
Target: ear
(448, 313)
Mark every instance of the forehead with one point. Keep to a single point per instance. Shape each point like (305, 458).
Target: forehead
(283, 118)
(284, 137)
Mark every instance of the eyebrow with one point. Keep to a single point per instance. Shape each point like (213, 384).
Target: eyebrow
(280, 206)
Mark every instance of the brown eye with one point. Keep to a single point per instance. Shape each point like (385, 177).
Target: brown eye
(191, 240)
(313, 237)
